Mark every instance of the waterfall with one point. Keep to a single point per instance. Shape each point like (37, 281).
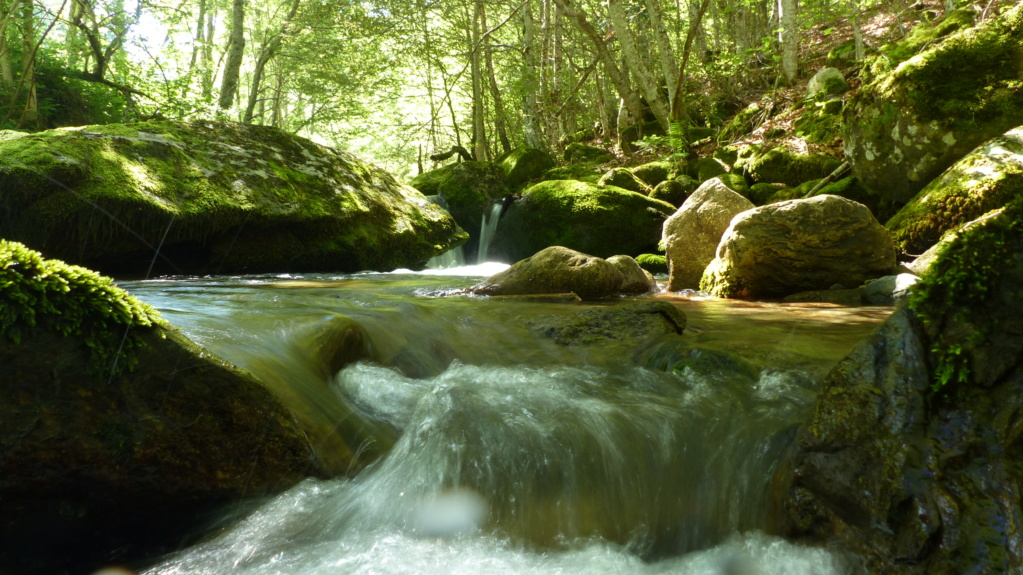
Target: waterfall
(487, 229)
(453, 258)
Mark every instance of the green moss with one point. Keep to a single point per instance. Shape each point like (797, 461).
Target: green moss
(919, 38)
(762, 193)
(745, 122)
(951, 297)
(654, 263)
(820, 124)
(653, 173)
(736, 183)
(73, 302)
(524, 164)
(780, 165)
(976, 185)
(579, 152)
(583, 171)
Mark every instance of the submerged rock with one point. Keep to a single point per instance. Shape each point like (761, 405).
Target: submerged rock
(212, 198)
(603, 221)
(909, 125)
(627, 322)
(118, 436)
(986, 179)
(556, 270)
(692, 234)
(799, 245)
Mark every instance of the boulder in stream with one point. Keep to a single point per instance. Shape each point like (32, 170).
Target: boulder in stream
(637, 279)
(911, 458)
(524, 164)
(799, 245)
(602, 221)
(553, 270)
(692, 234)
(118, 436)
(210, 197)
(628, 322)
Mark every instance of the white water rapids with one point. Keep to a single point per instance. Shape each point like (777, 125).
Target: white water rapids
(520, 456)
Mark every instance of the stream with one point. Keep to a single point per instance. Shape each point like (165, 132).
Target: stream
(503, 450)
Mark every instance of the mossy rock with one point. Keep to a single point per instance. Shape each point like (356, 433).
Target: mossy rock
(779, 165)
(707, 168)
(674, 191)
(821, 124)
(118, 436)
(842, 55)
(785, 194)
(828, 82)
(524, 164)
(921, 37)
(554, 270)
(583, 171)
(736, 183)
(712, 363)
(469, 189)
(987, 179)
(763, 193)
(656, 264)
(578, 136)
(909, 125)
(601, 221)
(851, 188)
(579, 152)
(744, 122)
(727, 155)
(625, 179)
(215, 197)
(653, 173)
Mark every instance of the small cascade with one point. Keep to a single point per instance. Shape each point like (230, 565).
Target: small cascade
(487, 229)
(453, 258)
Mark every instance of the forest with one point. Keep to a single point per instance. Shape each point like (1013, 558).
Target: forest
(395, 82)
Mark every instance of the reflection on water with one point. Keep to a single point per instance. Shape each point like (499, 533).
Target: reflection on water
(511, 454)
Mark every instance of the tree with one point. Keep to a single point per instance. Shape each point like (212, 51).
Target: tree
(789, 39)
(235, 54)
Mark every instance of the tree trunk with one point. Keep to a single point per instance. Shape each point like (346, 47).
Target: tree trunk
(6, 68)
(790, 39)
(30, 113)
(479, 134)
(637, 65)
(495, 90)
(529, 79)
(630, 97)
(266, 53)
(206, 56)
(665, 53)
(861, 51)
(235, 53)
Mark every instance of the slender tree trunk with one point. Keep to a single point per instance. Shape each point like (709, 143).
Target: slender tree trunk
(206, 56)
(199, 39)
(790, 40)
(6, 68)
(73, 39)
(30, 113)
(235, 53)
(529, 79)
(266, 53)
(857, 27)
(630, 97)
(665, 53)
(637, 65)
(495, 90)
(479, 134)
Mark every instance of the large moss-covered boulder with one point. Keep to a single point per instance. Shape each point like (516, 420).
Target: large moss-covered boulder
(214, 197)
(118, 436)
(625, 179)
(779, 165)
(986, 179)
(911, 457)
(674, 191)
(799, 245)
(653, 173)
(603, 221)
(909, 125)
(555, 270)
(524, 164)
(469, 189)
(691, 234)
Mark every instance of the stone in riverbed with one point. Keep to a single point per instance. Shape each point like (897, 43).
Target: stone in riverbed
(556, 270)
(799, 245)
(637, 279)
(633, 321)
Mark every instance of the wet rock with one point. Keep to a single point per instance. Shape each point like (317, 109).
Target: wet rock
(889, 290)
(118, 436)
(215, 198)
(627, 322)
(603, 221)
(910, 459)
(799, 245)
(469, 189)
(986, 179)
(909, 125)
(692, 234)
(555, 270)
(637, 279)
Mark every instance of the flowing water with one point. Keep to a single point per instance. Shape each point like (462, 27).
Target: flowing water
(506, 452)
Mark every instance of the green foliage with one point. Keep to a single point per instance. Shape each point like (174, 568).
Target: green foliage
(960, 283)
(73, 302)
